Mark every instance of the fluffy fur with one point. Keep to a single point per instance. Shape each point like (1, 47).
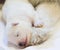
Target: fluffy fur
(19, 15)
(45, 22)
(18, 18)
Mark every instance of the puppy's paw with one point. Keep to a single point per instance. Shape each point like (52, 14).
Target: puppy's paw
(38, 24)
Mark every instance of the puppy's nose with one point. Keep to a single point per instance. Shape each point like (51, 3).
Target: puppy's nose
(22, 44)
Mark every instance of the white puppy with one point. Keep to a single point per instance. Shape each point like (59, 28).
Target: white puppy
(19, 16)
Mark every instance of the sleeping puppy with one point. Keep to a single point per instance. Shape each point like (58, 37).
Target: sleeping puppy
(19, 16)
(49, 11)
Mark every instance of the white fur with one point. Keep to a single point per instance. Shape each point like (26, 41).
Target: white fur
(21, 12)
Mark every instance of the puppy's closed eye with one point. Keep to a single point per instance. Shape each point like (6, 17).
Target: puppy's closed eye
(15, 24)
(17, 35)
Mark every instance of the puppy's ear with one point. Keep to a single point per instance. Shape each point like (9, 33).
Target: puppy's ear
(15, 24)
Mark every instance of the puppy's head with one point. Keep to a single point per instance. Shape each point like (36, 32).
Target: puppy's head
(19, 34)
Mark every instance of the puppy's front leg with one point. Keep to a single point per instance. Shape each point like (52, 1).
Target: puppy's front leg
(3, 37)
(3, 40)
(38, 22)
